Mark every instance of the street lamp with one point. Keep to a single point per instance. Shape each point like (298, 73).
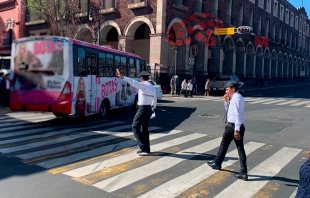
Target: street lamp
(97, 35)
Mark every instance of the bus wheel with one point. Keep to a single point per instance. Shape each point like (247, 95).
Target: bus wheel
(61, 115)
(104, 109)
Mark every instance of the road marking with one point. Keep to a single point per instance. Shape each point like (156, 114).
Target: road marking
(258, 95)
(272, 102)
(164, 163)
(294, 193)
(92, 168)
(288, 102)
(262, 100)
(300, 103)
(180, 184)
(124, 163)
(267, 169)
(288, 96)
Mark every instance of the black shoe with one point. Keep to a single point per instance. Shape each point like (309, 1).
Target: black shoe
(243, 176)
(140, 151)
(213, 165)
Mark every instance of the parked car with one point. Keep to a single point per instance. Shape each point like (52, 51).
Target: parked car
(159, 93)
(219, 82)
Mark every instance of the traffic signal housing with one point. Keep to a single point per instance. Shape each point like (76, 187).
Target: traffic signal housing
(244, 29)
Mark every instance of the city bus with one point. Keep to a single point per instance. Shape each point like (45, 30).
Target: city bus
(71, 77)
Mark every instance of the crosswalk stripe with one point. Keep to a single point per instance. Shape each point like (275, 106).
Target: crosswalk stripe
(262, 100)
(300, 103)
(123, 163)
(65, 139)
(106, 157)
(269, 168)
(180, 184)
(26, 117)
(46, 135)
(23, 127)
(287, 102)
(293, 195)
(91, 168)
(129, 177)
(272, 102)
(95, 152)
(52, 128)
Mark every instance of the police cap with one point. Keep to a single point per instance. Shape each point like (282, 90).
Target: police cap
(144, 73)
(231, 84)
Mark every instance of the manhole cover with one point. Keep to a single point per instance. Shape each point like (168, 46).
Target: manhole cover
(209, 116)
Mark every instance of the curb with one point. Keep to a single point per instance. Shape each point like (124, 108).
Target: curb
(259, 88)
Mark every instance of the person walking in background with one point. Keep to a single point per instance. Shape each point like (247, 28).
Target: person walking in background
(183, 88)
(172, 85)
(5, 90)
(189, 89)
(147, 101)
(303, 190)
(207, 87)
(194, 82)
(234, 130)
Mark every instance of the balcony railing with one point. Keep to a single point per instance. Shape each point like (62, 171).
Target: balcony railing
(197, 7)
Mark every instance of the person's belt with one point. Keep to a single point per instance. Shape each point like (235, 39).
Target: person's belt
(230, 123)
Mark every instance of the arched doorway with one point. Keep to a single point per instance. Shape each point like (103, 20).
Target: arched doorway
(228, 62)
(240, 70)
(109, 34)
(84, 34)
(250, 58)
(259, 63)
(267, 64)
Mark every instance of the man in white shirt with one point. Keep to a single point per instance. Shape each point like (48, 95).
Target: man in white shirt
(234, 130)
(147, 101)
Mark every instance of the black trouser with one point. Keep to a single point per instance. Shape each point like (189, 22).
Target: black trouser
(228, 136)
(140, 126)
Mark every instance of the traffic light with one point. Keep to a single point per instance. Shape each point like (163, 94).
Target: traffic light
(244, 29)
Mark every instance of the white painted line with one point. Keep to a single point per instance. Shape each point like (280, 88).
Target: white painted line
(294, 193)
(56, 133)
(164, 163)
(268, 169)
(262, 100)
(288, 102)
(272, 102)
(63, 139)
(178, 185)
(106, 149)
(300, 103)
(288, 96)
(85, 170)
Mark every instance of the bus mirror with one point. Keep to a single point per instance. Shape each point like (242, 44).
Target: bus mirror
(23, 66)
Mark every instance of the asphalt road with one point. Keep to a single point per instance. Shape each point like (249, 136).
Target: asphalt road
(87, 157)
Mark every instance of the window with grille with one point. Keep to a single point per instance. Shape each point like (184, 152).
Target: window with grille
(287, 16)
(268, 6)
(296, 22)
(275, 9)
(292, 19)
(281, 12)
(261, 3)
(109, 4)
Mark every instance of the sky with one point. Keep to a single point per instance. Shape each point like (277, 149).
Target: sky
(299, 3)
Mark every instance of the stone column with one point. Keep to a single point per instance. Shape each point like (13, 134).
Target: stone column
(125, 44)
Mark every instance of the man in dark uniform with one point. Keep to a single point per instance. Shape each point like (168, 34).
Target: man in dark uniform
(146, 104)
(234, 130)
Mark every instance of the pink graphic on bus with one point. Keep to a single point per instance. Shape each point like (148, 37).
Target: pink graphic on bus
(109, 87)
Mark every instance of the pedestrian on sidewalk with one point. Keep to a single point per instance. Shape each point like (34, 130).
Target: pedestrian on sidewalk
(183, 88)
(172, 85)
(234, 130)
(303, 190)
(189, 89)
(147, 101)
(207, 87)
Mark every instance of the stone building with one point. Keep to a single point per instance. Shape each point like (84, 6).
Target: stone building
(181, 33)
(12, 26)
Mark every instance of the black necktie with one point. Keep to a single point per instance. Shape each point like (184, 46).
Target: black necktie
(225, 117)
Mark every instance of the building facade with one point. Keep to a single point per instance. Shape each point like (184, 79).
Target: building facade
(179, 36)
(12, 23)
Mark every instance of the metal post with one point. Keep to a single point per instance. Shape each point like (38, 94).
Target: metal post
(175, 61)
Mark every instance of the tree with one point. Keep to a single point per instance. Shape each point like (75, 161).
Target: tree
(58, 14)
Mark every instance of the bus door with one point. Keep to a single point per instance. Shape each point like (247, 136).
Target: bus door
(91, 62)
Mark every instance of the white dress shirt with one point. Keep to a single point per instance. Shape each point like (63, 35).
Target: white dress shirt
(146, 94)
(189, 86)
(183, 85)
(235, 110)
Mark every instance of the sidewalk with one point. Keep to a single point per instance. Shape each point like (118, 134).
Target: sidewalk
(200, 95)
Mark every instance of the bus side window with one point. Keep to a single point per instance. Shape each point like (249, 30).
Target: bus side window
(124, 65)
(80, 68)
(138, 69)
(132, 68)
